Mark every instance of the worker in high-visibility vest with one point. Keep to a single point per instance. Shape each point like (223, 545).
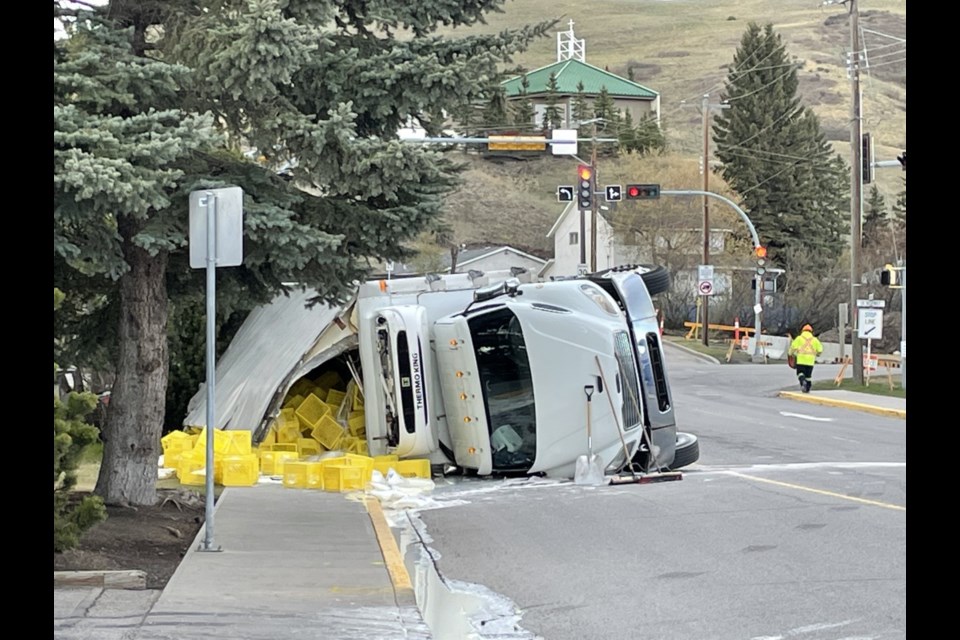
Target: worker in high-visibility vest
(806, 348)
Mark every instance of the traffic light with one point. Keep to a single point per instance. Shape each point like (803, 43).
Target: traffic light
(866, 159)
(761, 254)
(903, 160)
(888, 277)
(642, 191)
(585, 182)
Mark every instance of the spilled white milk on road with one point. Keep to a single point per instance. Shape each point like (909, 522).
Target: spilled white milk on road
(451, 608)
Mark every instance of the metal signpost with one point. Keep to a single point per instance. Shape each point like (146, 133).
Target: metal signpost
(216, 239)
(870, 327)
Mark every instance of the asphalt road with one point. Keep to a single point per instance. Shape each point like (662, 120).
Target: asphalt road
(791, 526)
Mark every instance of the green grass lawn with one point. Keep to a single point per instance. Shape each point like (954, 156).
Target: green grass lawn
(878, 386)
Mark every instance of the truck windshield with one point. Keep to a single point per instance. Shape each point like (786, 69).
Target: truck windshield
(504, 371)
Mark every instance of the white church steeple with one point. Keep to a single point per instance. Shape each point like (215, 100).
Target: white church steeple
(568, 47)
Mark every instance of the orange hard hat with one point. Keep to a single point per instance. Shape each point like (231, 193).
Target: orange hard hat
(807, 327)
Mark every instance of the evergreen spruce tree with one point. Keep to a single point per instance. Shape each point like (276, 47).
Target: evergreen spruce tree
(581, 110)
(648, 136)
(495, 113)
(523, 112)
(627, 134)
(900, 208)
(605, 109)
(792, 185)
(552, 118)
(874, 228)
(157, 98)
(610, 121)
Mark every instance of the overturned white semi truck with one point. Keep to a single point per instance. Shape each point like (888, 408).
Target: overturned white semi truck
(487, 372)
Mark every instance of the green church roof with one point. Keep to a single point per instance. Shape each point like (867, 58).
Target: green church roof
(569, 73)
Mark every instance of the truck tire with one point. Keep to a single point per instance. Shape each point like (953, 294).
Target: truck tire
(656, 278)
(687, 452)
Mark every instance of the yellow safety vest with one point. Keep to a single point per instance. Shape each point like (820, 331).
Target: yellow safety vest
(807, 348)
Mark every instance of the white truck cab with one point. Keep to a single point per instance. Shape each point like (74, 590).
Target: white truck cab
(513, 370)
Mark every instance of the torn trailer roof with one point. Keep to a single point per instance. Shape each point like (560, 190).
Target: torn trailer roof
(278, 343)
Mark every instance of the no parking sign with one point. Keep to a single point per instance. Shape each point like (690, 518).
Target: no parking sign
(705, 280)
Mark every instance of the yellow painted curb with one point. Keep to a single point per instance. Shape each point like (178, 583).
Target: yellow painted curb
(814, 399)
(391, 553)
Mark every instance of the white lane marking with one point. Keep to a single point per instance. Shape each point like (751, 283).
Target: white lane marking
(804, 416)
(700, 469)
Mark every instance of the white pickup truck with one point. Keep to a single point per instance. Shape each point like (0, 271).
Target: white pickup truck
(488, 372)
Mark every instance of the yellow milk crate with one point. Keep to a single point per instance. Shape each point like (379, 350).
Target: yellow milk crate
(328, 380)
(271, 462)
(383, 464)
(223, 441)
(300, 388)
(308, 447)
(176, 440)
(328, 432)
(343, 477)
(359, 446)
(271, 436)
(335, 397)
(311, 411)
(419, 468)
(292, 402)
(314, 474)
(240, 471)
(357, 425)
(191, 469)
(357, 460)
(284, 446)
(239, 442)
(288, 431)
(295, 474)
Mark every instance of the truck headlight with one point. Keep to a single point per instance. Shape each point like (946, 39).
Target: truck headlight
(596, 294)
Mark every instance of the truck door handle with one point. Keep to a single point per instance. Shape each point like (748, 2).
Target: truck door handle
(618, 383)
(599, 384)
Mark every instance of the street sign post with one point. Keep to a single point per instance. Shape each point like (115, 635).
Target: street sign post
(705, 280)
(216, 240)
(869, 323)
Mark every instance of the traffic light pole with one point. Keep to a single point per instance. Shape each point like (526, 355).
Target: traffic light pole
(903, 328)
(856, 192)
(593, 209)
(758, 307)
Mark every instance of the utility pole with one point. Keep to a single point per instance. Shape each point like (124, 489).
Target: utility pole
(593, 209)
(705, 108)
(856, 190)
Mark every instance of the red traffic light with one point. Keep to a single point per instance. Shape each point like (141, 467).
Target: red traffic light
(642, 191)
(585, 171)
(761, 252)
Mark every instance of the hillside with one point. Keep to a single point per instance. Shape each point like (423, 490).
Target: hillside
(681, 48)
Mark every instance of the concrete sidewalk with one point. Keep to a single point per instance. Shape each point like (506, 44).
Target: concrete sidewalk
(293, 564)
